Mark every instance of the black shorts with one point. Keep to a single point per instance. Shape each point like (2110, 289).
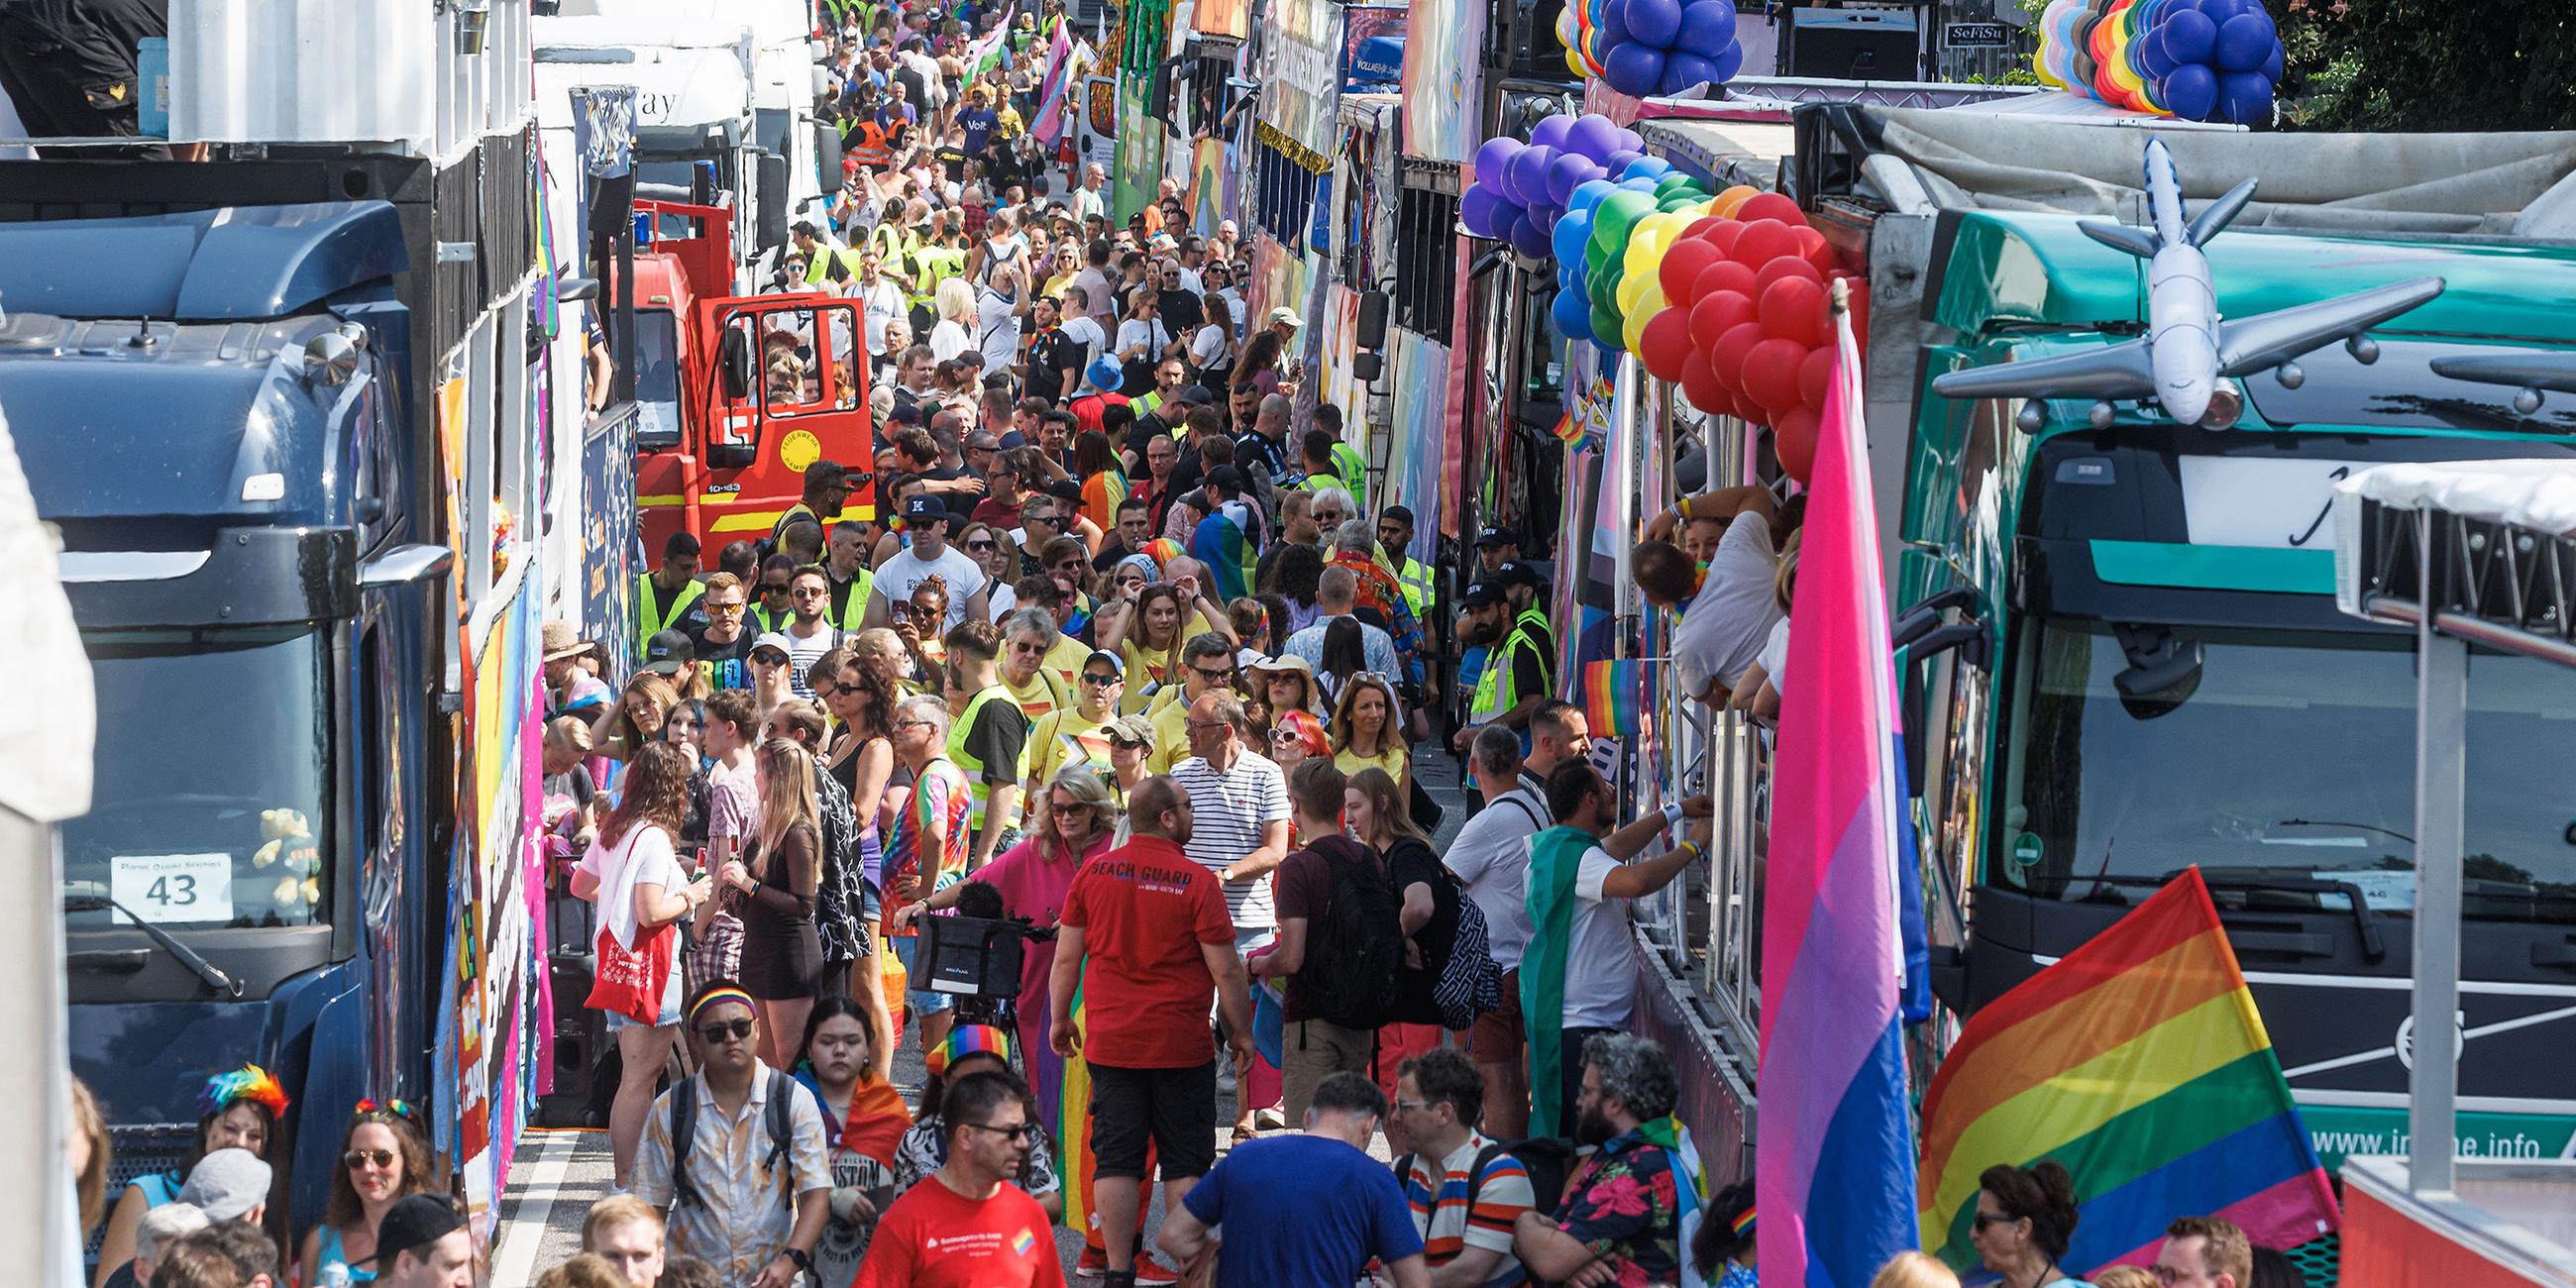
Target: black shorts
(1173, 1108)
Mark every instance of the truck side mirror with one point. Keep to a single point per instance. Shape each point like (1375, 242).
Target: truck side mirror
(733, 362)
(569, 289)
(770, 174)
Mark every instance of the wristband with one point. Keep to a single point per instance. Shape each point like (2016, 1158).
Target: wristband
(1672, 813)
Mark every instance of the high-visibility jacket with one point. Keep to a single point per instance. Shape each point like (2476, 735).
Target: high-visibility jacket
(1353, 468)
(819, 265)
(1415, 580)
(965, 758)
(852, 597)
(1496, 690)
(652, 617)
(863, 140)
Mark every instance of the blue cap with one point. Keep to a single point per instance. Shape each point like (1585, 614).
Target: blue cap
(1105, 376)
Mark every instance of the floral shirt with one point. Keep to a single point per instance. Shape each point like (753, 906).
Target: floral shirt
(925, 1150)
(1624, 1203)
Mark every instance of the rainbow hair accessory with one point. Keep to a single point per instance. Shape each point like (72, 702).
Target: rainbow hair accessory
(727, 994)
(249, 1082)
(1743, 1223)
(966, 1040)
(383, 1110)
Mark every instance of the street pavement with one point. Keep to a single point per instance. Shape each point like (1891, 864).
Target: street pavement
(556, 1175)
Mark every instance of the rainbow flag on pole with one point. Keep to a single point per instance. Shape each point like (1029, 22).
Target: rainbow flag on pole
(2139, 1063)
(1833, 1164)
(1073, 1133)
(1614, 696)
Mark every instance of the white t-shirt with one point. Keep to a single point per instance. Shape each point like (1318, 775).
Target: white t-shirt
(1099, 300)
(804, 652)
(1775, 655)
(1491, 855)
(1080, 329)
(641, 857)
(1152, 334)
(1726, 625)
(1000, 602)
(883, 303)
(897, 576)
(947, 340)
(1600, 977)
(1227, 812)
(1208, 345)
(997, 329)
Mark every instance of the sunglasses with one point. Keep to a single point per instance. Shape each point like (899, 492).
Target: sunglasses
(1985, 1219)
(980, 547)
(1207, 674)
(726, 1031)
(1024, 1133)
(768, 659)
(843, 690)
(726, 609)
(1094, 677)
(357, 1158)
(779, 588)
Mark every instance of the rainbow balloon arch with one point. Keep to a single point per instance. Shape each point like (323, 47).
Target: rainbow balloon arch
(2201, 60)
(1724, 294)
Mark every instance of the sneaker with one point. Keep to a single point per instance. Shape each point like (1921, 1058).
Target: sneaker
(1092, 1264)
(1151, 1269)
(1269, 1120)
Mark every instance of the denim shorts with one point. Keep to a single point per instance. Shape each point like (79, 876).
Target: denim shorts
(671, 999)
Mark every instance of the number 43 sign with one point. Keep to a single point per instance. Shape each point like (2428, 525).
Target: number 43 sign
(173, 887)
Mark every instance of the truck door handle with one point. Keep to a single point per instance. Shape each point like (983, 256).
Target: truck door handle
(2561, 954)
(119, 961)
(2291, 944)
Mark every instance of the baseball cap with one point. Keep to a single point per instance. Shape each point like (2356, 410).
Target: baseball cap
(1481, 594)
(1196, 396)
(1497, 537)
(227, 1184)
(776, 640)
(1227, 477)
(1521, 571)
(1285, 316)
(412, 1224)
(1132, 731)
(921, 507)
(669, 652)
(1116, 663)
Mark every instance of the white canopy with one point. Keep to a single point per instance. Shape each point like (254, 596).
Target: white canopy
(2539, 495)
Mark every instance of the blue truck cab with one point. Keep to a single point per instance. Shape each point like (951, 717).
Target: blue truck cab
(216, 409)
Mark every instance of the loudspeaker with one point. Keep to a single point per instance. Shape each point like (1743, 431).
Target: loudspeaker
(1855, 44)
(1372, 320)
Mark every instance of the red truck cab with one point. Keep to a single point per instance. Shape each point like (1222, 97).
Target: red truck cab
(741, 393)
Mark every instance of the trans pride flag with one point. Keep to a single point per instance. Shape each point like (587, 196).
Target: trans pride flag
(1833, 1165)
(2139, 1063)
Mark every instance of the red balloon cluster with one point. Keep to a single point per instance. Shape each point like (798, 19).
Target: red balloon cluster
(1747, 327)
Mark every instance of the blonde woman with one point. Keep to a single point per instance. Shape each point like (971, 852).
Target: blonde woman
(1366, 734)
(636, 720)
(781, 954)
(954, 333)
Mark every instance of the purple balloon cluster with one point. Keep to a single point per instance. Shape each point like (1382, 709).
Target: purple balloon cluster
(1521, 189)
(1666, 46)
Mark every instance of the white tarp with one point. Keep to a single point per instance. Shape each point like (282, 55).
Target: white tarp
(1988, 158)
(46, 731)
(2535, 494)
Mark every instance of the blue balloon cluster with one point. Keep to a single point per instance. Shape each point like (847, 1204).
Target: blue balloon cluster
(2210, 60)
(1589, 238)
(1666, 46)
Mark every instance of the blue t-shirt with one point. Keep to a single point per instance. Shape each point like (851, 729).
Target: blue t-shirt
(979, 123)
(1303, 1210)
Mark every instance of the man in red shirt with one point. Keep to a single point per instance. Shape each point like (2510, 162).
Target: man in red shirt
(967, 1226)
(1145, 932)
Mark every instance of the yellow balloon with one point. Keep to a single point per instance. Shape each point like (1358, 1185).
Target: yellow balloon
(1646, 248)
(1632, 325)
(1726, 203)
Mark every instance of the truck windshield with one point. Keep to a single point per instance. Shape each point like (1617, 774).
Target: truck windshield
(213, 785)
(2286, 754)
(657, 378)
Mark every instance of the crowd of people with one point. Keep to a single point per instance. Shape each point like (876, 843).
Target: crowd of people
(1133, 656)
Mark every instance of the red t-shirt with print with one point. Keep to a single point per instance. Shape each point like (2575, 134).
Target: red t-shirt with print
(1144, 909)
(935, 1237)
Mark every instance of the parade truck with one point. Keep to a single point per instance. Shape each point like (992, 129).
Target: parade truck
(739, 394)
(2113, 590)
(295, 443)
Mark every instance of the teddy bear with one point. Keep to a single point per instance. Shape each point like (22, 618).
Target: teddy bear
(289, 842)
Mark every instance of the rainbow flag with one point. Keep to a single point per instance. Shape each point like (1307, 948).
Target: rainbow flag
(1833, 1166)
(1073, 1161)
(1613, 696)
(2139, 1063)
(1049, 125)
(1220, 543)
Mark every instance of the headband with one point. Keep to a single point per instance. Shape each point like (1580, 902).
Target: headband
(966, 1040)
(382, 1110)
(1743, 1223)
(726, 994)
(249, 1082)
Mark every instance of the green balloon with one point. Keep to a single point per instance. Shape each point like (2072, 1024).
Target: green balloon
(1617, 214)
(1599, 259)
(1605, 327)
(1672, 183)
(1680, 201)
(1603, 289)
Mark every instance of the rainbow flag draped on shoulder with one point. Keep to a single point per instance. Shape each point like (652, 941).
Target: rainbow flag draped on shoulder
(2138, 1063)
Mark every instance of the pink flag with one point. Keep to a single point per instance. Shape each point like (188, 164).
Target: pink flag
(1049, 126)
(1834, 1160)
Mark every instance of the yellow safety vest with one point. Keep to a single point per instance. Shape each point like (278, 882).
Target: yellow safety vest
(1413, 579)
(1496, 691)
(848, 620)
(651, 618)
(980, 791)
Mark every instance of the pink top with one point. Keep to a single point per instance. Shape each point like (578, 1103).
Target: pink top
(1033, 886)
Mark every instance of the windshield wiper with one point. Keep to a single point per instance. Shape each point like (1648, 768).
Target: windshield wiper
(212, 974)
(2373, 946)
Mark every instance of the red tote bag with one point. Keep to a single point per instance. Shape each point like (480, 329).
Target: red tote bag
(632, 981)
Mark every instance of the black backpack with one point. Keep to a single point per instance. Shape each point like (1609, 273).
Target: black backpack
(1353, 973)
(1470, 984)
(778, 1114)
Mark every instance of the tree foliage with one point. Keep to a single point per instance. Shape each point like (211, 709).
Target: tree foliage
(2468, 65)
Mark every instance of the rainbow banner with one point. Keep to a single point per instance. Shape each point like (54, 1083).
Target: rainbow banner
(1833, 1167)
(1614, 696)
(2138, 1063)
(1073, 1161)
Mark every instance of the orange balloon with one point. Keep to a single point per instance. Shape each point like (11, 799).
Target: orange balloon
(1726, 202)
